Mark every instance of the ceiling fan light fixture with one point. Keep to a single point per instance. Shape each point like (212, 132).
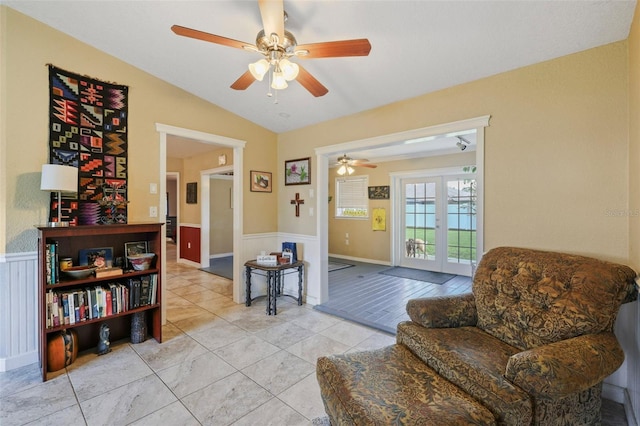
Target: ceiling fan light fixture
(350, 170)
(289, 69)
(259, 68)
(279, 81)
(342, 170)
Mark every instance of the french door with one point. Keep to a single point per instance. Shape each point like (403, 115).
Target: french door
(438, 216)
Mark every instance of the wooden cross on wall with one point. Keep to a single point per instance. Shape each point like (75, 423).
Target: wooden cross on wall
(297, 202)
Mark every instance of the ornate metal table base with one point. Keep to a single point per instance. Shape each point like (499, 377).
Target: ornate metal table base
(275, 282)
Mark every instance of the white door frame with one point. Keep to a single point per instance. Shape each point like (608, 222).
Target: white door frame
(238, 150)
(318, 278)
(176, 175)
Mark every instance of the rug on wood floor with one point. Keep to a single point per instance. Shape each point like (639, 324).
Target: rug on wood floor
(336, 266)
(418, 275)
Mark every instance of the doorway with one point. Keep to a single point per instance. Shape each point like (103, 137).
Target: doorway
(317, 291)
(237, 167)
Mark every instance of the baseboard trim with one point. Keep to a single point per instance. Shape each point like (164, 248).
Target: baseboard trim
(18, 361)
(360, 259)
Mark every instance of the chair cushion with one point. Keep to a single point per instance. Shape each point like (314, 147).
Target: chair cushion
(528, 298)
(390, 386)
(474, 361)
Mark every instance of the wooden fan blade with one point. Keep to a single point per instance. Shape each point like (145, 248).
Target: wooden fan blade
(272, 12)
(310, 83)
(336, 49)
(244, 81)
(371, 166)
(211, 38)
(361, 160)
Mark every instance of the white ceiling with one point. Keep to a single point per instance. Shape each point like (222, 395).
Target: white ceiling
(417, 46)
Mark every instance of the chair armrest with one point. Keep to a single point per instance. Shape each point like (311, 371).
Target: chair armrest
(561, 368)
(444, 312)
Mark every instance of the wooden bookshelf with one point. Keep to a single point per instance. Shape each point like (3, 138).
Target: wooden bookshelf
(70, 241)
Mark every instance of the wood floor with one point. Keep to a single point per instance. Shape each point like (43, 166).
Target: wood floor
(360, 294)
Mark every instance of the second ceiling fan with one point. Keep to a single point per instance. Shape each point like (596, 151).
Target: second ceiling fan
(277, 45)
(346, 164)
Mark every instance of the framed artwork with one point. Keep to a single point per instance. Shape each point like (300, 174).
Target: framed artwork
(102, 257)
(135, 247)
(378, 192)
(260, 181)
(297, 172)
(192, 193)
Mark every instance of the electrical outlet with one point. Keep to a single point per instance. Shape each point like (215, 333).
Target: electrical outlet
(346, 235)
(346, 242)
(153, 211)
(153, 188)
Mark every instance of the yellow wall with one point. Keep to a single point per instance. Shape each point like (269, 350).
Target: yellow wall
(631, 329)
(190, 213)
(556, 150)
(634, 141)
(27, 46)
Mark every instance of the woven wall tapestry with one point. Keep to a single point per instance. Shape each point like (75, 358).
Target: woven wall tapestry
(88, 130)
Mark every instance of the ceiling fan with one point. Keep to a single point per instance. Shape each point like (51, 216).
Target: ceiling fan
(346, 164)
(278, 45)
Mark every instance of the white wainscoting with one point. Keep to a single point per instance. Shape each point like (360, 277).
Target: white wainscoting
(18, 310)
(254, 244)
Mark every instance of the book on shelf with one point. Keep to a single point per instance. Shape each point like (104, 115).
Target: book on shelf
(145, 283)
(51, 263)
(110, 271)
(72, 307)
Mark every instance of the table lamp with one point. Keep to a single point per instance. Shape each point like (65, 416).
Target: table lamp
(59, 178)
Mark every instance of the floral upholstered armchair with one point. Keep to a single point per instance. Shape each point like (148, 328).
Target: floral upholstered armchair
(531, 344)
(534, 340)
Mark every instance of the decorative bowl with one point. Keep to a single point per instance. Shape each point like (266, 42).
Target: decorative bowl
(142, 261)
(79, 272)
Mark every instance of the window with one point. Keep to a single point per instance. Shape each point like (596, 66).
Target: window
(351, 197)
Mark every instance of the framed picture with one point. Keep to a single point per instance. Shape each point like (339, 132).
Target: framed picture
(297, 172)
(192, 193)
(378, 192)
(260, 181)
(102, 257)
(136, 247)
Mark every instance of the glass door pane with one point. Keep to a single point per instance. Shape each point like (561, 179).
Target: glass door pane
(460, 225)
(421, 219)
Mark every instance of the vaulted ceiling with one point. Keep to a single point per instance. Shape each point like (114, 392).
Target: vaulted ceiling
(417, 46)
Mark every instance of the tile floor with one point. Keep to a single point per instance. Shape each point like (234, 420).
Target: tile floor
(220, 364)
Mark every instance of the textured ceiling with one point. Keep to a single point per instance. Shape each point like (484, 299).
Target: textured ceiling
(417, 46)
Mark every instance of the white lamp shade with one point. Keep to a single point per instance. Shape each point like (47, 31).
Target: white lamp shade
(279, 82)
(259, 69)
(289, 69)
(56, 177)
